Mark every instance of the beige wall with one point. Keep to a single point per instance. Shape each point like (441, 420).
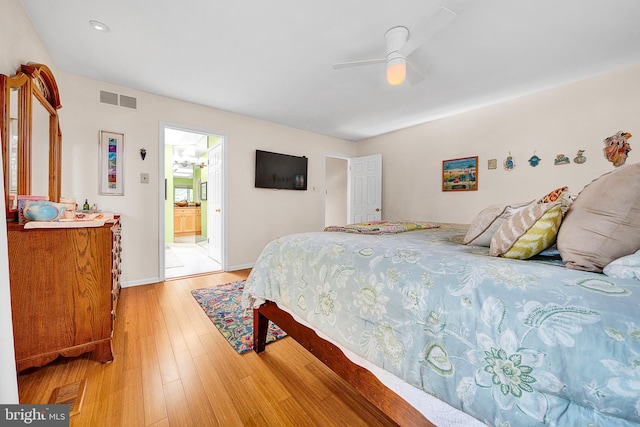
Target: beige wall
(336, 175)
(20, 44)
(560, 120)
(255, 216)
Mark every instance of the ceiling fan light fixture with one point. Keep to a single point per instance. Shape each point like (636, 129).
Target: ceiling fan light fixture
(396, 71)
(396, 62)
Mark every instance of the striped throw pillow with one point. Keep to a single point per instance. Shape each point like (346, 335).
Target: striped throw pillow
(528, 232)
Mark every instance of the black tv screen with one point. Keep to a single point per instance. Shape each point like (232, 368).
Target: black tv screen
(282, 171)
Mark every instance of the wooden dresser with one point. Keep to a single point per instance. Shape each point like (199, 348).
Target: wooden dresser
(65, 284)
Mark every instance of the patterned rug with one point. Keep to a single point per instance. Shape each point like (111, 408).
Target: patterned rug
(222, 304)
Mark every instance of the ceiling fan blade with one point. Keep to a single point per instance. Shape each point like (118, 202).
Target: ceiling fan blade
(359, 63)
(413, 75)
(428, 29)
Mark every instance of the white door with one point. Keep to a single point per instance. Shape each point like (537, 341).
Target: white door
(365, 185)
(214, 203)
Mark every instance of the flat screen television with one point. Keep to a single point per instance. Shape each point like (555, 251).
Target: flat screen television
(281, 171)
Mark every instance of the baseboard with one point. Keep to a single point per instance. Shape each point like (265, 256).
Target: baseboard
(140, 282)
(241, 267)
(151, 280)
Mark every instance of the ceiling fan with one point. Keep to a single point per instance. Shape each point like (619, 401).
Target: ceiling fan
(399, 48)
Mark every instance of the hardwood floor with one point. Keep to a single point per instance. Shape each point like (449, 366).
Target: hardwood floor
(173, 368)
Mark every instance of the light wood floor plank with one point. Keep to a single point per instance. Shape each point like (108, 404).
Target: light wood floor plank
(202, 412)
(93, 406)
(152, 393)
(178, 411)
(111, 393)
(161, 423)
(132, 404)
(166, 359)
(182, 315)
(269, 409)
(174, 332)
(173, 368)
(221, 402)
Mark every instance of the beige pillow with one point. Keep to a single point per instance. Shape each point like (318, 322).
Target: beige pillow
(603, 223)
(528, 232)
(488, 221)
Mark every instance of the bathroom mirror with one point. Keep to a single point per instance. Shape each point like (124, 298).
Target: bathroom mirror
(30, 134)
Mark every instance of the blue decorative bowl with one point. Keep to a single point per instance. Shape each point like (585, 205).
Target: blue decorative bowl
(43, 211)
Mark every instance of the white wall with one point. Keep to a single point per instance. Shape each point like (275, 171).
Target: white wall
(82, 117)
(336, 181)
(20, 44)
(8, 383)
(560, 120)
(255, 216)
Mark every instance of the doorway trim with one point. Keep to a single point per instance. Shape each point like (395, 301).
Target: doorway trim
(162, 191)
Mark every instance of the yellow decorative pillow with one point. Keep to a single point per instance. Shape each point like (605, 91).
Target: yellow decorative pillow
(528, 232)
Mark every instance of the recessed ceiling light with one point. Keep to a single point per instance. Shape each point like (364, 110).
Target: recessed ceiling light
(99, 26)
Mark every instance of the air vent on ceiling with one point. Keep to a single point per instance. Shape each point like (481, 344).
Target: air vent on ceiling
(111, 98)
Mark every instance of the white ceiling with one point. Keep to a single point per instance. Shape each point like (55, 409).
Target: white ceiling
(273, 60)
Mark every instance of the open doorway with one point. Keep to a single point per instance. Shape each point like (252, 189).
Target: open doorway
(353, 189)
(336, 190)
(190, 188)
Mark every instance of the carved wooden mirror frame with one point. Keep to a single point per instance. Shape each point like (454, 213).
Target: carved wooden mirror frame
(32, 83)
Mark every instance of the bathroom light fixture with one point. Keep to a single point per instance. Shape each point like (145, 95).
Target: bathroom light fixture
(99, 26)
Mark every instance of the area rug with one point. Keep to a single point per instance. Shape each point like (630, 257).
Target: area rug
(222, 303)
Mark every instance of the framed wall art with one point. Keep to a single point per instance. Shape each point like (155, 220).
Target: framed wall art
(203, 191)
(460, 174)
(111, 166)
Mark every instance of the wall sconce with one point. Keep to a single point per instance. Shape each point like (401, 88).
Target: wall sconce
(143, 153)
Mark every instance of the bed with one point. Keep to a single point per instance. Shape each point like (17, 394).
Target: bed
(459, 337)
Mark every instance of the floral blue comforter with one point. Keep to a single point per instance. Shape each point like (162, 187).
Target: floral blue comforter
(512, 343)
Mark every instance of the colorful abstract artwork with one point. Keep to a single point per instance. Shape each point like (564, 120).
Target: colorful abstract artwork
(111, 163)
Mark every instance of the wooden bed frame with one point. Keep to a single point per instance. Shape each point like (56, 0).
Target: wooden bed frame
(361, 379)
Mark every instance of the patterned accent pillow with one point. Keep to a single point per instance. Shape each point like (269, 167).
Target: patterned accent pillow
(554, 195)
(528, 232)
(562, 195)
(486, 223)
